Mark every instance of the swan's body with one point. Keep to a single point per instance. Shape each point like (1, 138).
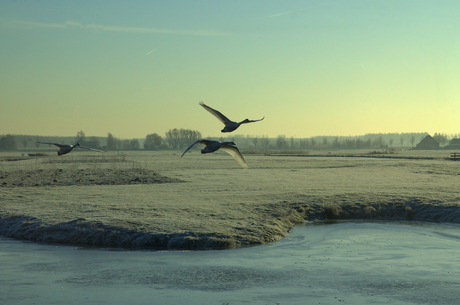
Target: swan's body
(212, 146)
(229, 125)
(65, 149)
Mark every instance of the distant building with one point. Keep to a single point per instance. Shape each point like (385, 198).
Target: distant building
(454, 144)
(427, 143)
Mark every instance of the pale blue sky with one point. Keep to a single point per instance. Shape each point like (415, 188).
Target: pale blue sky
(310, 67)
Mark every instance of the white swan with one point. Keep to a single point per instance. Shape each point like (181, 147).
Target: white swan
(212, 146)
(65, 149)
(229, 125)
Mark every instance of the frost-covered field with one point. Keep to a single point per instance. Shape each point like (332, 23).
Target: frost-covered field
(159, 200)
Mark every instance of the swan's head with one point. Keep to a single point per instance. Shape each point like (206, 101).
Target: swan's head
(78, 144)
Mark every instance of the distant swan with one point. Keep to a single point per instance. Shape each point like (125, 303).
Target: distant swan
(65, 149)
(212, 146)
(229, 125)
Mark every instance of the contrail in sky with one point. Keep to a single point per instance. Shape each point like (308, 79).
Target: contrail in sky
(121, 29)
(152, 51)
(284, 13)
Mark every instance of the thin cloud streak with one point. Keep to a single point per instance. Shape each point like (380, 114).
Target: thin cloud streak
(152, 51)
(285, 13)
(277, 15)
(121, 29)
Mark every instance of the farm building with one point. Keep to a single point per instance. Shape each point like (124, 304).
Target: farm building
(454, 144)
(427, 143)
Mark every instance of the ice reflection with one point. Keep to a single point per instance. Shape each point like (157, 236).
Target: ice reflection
(342, 263)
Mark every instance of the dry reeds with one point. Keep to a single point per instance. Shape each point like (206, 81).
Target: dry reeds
(332, 211)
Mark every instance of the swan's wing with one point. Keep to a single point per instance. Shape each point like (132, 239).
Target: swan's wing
(203, 142)
(216, 113)
(190, 147)
(55, 144)
(252, 121)
(233, 150)
(82, 147)
(206, 142)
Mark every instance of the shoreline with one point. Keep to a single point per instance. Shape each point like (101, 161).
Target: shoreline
(156, 200)
(94, 233)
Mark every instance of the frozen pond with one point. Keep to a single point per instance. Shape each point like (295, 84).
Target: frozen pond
(343, 263)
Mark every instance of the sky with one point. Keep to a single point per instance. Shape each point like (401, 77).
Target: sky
(311, 68)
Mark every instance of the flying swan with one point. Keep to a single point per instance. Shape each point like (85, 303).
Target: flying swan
(229, 125)
(65, 149)
(212, 146)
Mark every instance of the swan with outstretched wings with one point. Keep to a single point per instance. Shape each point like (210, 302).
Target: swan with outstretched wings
(229, 124)
(212, 146)
(65, 149)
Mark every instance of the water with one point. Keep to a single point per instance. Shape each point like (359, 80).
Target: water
(344, 263)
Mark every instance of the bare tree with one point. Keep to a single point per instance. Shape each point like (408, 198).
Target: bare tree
(350, 143)
(265, 141)
(402, 140)
(303, 143)
(124, 144)
(412, 140)
(172, 136)
(441, 138)
(24, 143)
(188, 136)
(153, 141)
(8, 142)
(379, 142)
(80, 137)
(179, 138)
(93, 142)
(112, 142)
(134, 144)
(336, 142)
(281, 142)
(255, 141)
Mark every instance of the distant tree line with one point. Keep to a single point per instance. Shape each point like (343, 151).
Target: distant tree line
(174, 139)
(92, 142)
(327, 142)
(114, 143)
(179, 139)
(441, 138)
(368, 141)
(14, 142)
